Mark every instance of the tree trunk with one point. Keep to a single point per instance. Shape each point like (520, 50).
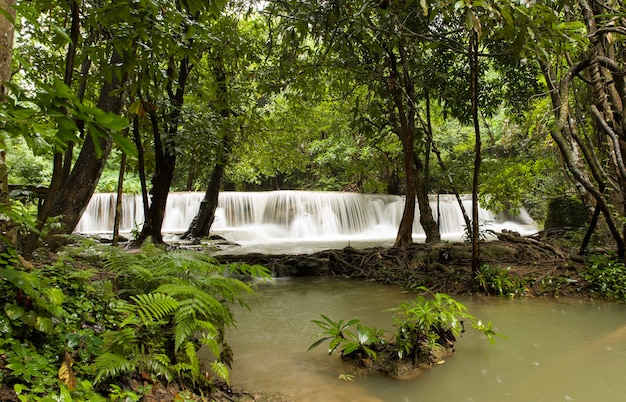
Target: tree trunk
(404, 126)
(70, 202)
(61, 168)
(7, 228)
(165, 158)
(473, 55)
(429, 224)
(118, 202)
(203, 220)
(405, 230)
(142, 168)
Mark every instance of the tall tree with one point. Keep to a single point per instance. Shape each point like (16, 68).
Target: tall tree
(580, 50)
(60, 107)
(370, 42)
(7, 19)
(191, 39)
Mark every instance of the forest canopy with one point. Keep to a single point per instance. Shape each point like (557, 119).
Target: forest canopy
(516, 103)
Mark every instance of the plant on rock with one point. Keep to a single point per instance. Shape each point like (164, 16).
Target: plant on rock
(363, 343)
(426, 331)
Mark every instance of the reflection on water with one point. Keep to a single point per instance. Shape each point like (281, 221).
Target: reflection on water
(555, 350)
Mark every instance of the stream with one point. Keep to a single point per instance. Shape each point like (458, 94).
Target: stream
(553, 350)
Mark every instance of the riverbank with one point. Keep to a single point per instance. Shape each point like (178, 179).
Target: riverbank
(513, 265)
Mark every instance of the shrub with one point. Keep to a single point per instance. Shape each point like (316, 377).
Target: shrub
(98, 316)
(500, 281)
(424, 326)
(606, 276)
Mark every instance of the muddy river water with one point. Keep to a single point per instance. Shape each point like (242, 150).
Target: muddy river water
(554, 350)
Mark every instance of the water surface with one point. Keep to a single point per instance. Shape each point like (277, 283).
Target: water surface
(555, 349)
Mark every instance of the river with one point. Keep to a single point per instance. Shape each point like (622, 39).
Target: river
(555, 349)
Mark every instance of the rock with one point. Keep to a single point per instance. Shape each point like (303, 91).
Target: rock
(566, 211)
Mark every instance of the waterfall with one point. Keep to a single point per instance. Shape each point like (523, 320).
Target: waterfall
(287, 216)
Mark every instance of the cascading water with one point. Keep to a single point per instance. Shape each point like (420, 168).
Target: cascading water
(295, 216)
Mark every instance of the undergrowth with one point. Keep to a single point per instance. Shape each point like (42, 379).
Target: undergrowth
(82, 326)
(606, 276)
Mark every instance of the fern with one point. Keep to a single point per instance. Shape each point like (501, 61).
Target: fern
(203, 304)
(220, 370)
(111, 365)
(154, 306)
(157, 364)
(192, 355)
(124, 340)
(173, 303)
(208, 340)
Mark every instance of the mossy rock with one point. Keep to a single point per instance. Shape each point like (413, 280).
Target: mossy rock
(566, 212)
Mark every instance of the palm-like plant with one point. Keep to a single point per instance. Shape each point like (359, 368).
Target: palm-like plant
(341, 337)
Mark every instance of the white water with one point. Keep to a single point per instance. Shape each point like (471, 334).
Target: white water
(256, 218)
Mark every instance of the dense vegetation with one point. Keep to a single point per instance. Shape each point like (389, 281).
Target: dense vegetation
(519, 103)
(102, 322)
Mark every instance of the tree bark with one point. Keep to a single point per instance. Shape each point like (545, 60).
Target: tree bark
(473, 55)
(72, 199)
(142, 168)
(401, 123)
(7, 228)
(118, 202)
(562, 131)
(431, 228)
(165, 157)
(203, 220)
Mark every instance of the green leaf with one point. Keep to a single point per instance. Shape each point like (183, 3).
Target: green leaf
(44, 324)
(61, 32)
(8, 16)
(5, 325)
(56, 296)
(221, 370)
(125, 144)
(13, 311)
(318, 342)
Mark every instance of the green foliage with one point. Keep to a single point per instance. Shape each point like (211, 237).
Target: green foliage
(500, 281)
(423, 325)
(342, 338)
(427, 323)
(606, 276)
(178, 297)
(148, 312)
(49, 310)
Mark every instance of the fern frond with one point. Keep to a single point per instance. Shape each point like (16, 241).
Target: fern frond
(192, 356)
(208, 340)
(230, 289)
(184, 329)
(187, 362)
(187, 326)
(157, 364)
(111, 365)
(153, 307)
(220, 370)
(205, 305)
(185, 264)
(123, 340)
